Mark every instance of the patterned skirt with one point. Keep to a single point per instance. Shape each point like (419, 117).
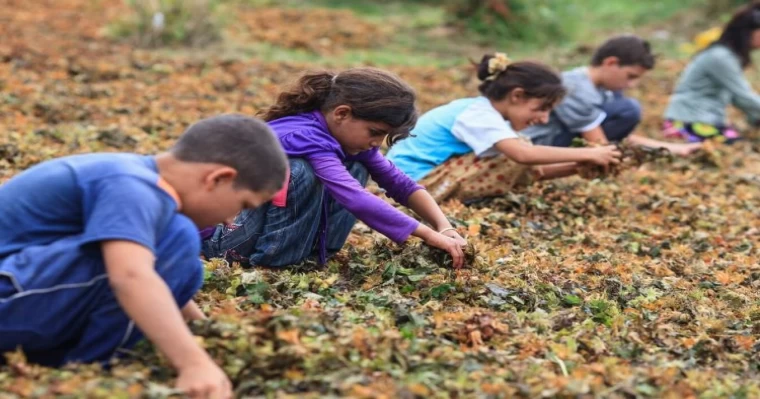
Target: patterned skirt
(468, 178)
(698, 132)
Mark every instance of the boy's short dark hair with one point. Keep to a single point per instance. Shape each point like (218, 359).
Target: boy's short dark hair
(246, 144)
(628, 49)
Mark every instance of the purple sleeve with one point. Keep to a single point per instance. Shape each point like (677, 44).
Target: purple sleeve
(397, 185)
(207, 232)
(346, 190)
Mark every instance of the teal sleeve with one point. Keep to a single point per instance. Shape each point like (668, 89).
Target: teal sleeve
(728, 73)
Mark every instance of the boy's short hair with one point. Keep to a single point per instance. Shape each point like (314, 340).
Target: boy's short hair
(246, 144)
(628, 49)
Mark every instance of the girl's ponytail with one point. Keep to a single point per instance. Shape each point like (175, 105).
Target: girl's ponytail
(373, 94)
(310, 92)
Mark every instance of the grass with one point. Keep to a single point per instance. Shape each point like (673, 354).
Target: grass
(423, 34)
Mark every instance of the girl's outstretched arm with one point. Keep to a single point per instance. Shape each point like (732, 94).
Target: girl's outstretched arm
(527, 154)
(424, 205)
(555, 171)
(440, 241)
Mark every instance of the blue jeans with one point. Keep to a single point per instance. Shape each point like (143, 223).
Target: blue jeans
(281, 236)
(59, 315)
(623, 115)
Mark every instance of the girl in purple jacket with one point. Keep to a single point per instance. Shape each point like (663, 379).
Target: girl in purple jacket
(331, 126)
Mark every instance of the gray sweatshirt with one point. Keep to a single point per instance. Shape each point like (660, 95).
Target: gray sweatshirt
(712, 81)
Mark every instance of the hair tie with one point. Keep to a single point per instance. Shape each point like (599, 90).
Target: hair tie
(497, 64)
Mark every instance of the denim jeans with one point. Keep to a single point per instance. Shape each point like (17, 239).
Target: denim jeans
(281, 236)
(72, 315)
(623, 115)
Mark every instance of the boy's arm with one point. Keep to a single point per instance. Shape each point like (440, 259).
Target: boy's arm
(679, 149)
(147, 300)
(595, 135)
(191, 311)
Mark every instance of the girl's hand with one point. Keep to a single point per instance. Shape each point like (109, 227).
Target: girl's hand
(448, 244)
(604, 156)
(455, 235)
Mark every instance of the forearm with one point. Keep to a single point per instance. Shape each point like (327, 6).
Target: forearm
(424, 232)
(191, 311)
(542, 155)
(595, 136)
(556, 171)
(147, 300)
(527, 154)
(750, 105)
(424, 205)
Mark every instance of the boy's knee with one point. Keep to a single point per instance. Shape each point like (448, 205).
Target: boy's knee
(178, 262)
(632, 110)
(183, 279)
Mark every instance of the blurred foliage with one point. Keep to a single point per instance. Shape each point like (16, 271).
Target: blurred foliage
(155, 23)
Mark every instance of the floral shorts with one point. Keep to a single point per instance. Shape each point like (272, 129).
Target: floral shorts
(698, 132)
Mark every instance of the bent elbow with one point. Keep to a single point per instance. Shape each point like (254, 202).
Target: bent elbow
(123, 280)
(521, 157)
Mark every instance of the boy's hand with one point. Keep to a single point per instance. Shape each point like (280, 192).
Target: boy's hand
(604, 156)
(205, 380)
(191, 312)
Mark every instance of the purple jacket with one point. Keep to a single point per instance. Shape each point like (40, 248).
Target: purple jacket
(307, 136)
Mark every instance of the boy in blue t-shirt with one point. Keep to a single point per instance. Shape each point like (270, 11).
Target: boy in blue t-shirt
(99, 249)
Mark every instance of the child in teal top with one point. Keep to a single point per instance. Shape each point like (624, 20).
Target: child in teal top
(715, 79)
(470, 149)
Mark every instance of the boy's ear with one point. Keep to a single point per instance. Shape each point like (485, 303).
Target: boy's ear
(342, 112)
(611, 61)
(220, 175)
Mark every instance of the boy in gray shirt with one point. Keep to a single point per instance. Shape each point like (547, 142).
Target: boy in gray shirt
(595, 108)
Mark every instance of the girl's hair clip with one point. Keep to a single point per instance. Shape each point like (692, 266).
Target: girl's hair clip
(497, 64)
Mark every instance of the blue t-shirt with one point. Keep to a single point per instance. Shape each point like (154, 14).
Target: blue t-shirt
(85, 199)
(457, 128)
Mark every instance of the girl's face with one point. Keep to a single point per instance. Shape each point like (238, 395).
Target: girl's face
(755, 39)
(522, 111)
(355, 135)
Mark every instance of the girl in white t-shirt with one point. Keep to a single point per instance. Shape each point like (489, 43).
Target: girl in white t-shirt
(470, 148)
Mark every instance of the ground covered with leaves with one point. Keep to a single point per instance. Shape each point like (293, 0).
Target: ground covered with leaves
(641, 284)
